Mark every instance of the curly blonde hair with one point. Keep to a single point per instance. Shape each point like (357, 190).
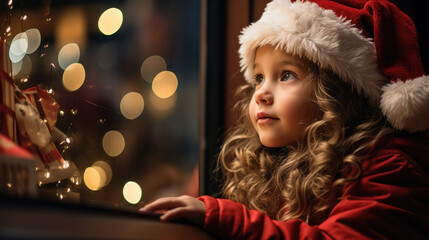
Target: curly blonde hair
(305, 181)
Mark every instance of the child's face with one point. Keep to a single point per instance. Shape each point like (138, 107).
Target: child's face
(279, 108)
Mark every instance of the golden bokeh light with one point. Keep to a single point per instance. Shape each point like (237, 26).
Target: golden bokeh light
(162, 104)
(113, 143)
(132, 192)
(107, 170)
(110, 21)
(164, 84)
(34, 39)
(69, 53)
(92, 179)
(132, 105)
(102, 175)
(152, 66)
(74, 77)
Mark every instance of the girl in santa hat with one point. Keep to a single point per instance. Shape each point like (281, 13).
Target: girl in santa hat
(332, 141)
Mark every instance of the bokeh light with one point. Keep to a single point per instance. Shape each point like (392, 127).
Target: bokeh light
(92, 178)
(23, 68)
(106, 169)
(113, 143)
(34, 38)
(162, 104)
(152, 66)
(132, 192)
(102, 175)
(18, 47)
(71, 27)
(74, 77)
(68, 54)
(16, 68)
(132, 105)
(164, 84)
(110, 21)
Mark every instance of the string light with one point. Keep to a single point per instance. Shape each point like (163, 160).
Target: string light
(73, 111)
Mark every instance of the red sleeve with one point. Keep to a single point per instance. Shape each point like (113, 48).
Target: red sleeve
(390, 201)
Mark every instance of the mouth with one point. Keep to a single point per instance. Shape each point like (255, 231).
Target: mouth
(264, 118)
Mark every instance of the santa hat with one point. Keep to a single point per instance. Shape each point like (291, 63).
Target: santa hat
(370, 44)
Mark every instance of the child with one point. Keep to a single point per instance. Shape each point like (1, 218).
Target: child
(332, 142)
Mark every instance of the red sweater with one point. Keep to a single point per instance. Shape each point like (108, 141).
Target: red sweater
(390, 201)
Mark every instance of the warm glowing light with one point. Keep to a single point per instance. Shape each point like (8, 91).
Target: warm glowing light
(132, 192)
(68, 54)
(71, 27)
(164, 85)
(113, 143)
(34, 38)
(110, 21)
(162, 104)
(152, 66)
(106, 169)
(74, 77)
(92, 178)
(132, 105)
(102, 174)
(18, 47)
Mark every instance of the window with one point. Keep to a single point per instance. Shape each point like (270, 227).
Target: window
(125, 77)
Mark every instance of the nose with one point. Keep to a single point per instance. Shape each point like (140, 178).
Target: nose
(263, 94)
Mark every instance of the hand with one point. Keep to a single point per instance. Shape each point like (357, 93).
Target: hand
(185, 207)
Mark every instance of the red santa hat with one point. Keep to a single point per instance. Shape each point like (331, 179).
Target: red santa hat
(370, 44)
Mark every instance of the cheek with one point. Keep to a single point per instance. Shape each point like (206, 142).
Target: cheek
(252, 109)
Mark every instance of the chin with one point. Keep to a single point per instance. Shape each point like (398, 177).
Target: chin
(271, 144)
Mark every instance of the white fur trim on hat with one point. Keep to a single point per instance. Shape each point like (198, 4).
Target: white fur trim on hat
(306, 30)
(406, 104)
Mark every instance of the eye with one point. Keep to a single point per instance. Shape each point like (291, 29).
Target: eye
(259, 79)
(287, 76)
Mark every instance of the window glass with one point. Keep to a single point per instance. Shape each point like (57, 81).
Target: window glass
(125, 77)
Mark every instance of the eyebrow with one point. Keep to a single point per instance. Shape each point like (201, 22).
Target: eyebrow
(286, 62)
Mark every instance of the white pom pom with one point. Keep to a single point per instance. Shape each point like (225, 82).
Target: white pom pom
(406, 104)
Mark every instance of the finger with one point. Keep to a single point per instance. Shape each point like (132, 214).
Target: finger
(186, 213)
(163, 204)
(180, 212)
